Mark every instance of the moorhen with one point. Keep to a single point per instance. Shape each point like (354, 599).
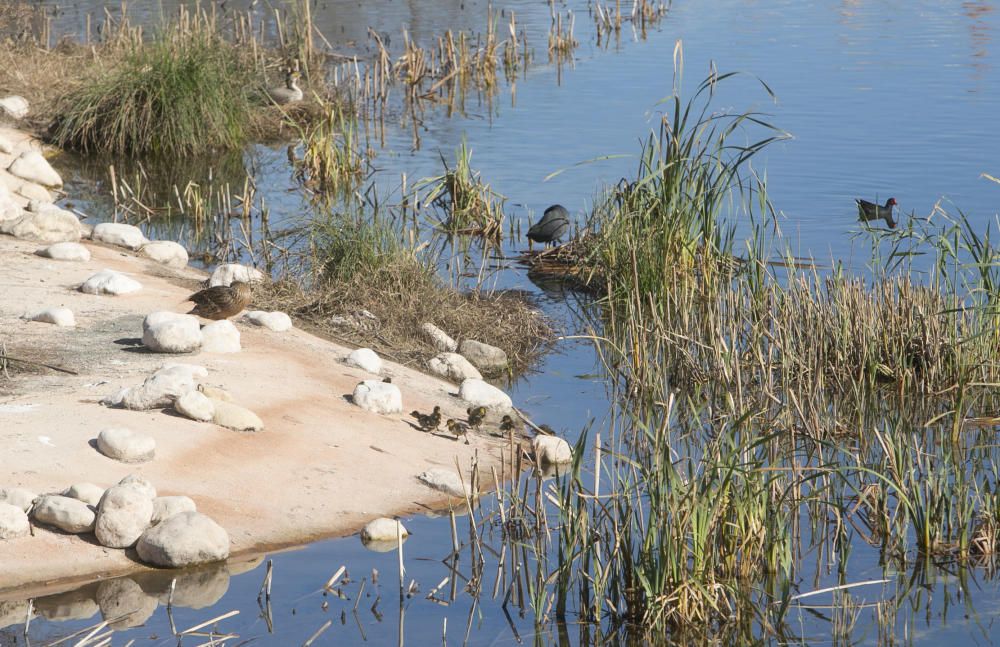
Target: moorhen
(221, 301)
(871, 211)
(552, 226)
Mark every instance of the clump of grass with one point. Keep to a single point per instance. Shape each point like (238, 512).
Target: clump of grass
(332, 161)
(470, 206)
(186, 92)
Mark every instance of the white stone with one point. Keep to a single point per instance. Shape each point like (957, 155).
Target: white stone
(166, 252)
(6, 146)
(276, 321)
(220, 337)
(378, 397)
(160, 389)
(365, 359)
(124, 604)
(383, 529)
(122, 516)
(136, 482)
(110, 282)
(57, 316)
(192, 371)
(35, 192)
(87, 492)
(165, 507)
(14, 106)
(65, 252)
(171, 333)
(33, 167)
(215, 392)
(481, 394)
(184, 539)
(119, 234)
(52, 225)
(551, 450)
(439, 338)
(126, 445)
(115, 399)
(483, 356)
(227, 273)
(13, 522)
(233, 416)
(196, 406)
(64, 513)
(18, 497)
(444, 480)
(453, 367)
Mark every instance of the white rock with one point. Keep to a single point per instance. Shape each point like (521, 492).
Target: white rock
(33, 167)
(220, 337)
(14, 106)
(439, 338)
(196, 406)
(481, 394)
(65, 252)
(276, 321)
(9, 209)
(551, 450)
(365, 359)
(483, 356)
(215, 392)
(233, 416)
(122, 516)
(6, 146)
(444, 480)
(192, 371)
(171, 333)
(53, 225)
(383, 528)
(160, 389)
(378, 397)
(18, 497)
(184, 539)
(126, 445)
(110, 282)
(136, 482)
(87, 492)
(166, 252)
(34, 192)
(64, 513)
(13, 522)
(227, 273)
(124, 604)
(453, 366)
(115, 399)
(165, 507)
(57, 316)
(119, 234)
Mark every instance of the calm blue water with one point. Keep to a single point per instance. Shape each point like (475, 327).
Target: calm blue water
(881, 99)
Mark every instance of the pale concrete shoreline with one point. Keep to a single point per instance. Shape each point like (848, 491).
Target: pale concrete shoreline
(321, 468)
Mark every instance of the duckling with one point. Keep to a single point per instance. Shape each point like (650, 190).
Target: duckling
(387, 380)
(506, 424)
(476, 415)
(428, 421)
(290, 93)
(459, 429)
(221, 301)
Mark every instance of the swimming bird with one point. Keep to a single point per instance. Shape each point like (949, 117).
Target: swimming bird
(428, 421)
(221, 301)
(459, 429)
(871, 211)
(290, 93)
(506, 424)
(476, 415)
(552, 226)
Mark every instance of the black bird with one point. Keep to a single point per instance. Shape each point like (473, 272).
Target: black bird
(871, 211)
(476, 415)
(460, 429)
(506, 424)
(552, 226)
(428, 421)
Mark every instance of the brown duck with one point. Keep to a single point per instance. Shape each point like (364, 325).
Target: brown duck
(221, 301)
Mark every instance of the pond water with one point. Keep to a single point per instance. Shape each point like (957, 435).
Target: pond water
(881, 98)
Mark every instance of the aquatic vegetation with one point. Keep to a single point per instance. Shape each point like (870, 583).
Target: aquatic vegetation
(332, 161)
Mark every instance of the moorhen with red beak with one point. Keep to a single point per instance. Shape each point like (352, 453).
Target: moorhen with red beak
(871, 211)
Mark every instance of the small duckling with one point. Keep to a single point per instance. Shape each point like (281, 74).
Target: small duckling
(387, 380)
(476, 415)
(506, 424)
(428, 421)
(459, 429)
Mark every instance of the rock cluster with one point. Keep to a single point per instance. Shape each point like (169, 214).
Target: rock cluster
(477, 357)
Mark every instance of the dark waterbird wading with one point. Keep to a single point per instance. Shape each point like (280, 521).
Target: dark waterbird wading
(870, 211)
(552, 226)
(221, 301)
